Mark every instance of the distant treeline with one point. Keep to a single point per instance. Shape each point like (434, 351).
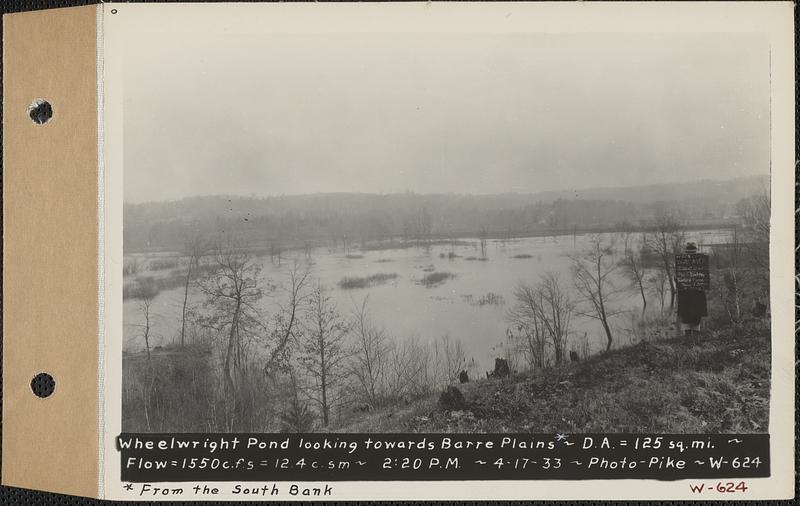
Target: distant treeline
(357, 219)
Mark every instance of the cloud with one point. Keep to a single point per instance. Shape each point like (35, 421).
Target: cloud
(468, 113)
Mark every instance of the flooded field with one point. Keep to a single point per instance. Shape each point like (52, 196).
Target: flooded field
(427, 292)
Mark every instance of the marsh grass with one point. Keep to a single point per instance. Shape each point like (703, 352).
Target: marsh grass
(489, 299)
(160, 264)
(353, 282)
(147, 286)
(435, 278)
(131, 267)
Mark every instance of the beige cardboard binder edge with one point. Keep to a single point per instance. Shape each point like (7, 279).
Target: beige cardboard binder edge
(50, 245)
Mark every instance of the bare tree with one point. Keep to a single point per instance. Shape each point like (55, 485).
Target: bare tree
(410, 370)
(287, 319)
(483, 235)
(755, 212)
(424, 226)
(232, 292)
(592, 272)
(556, 313)
(144, 307)
(372, 347)
(451, 355)
(667, 240)
(526, 325)
(731, 263)
(194, 250)
(323, 350)
(633, 264)
(405, 229)
(531, 340)
(541, 316)
(275, 250)
(659, 282)
(149, 378)
(295, 417)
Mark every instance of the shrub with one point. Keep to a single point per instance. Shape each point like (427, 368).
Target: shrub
(160, 264)
(452, 399)
(297, 418)
(174, 392)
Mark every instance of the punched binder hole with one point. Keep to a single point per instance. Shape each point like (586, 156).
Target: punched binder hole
(40, 111)
(43, 385)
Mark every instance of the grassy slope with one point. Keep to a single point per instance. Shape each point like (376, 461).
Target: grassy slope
(717, 383)
(182, 390)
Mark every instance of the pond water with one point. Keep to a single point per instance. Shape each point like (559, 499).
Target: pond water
(405, 307)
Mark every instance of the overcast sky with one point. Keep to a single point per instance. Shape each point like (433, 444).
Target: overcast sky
(465, 113)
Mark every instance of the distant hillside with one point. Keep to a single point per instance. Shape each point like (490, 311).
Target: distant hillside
(705, 189)
(358, 218)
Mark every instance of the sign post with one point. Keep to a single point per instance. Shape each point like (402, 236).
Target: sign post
(692, 279)
(691, 272)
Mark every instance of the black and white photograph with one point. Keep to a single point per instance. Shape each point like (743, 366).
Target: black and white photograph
(449, 232)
